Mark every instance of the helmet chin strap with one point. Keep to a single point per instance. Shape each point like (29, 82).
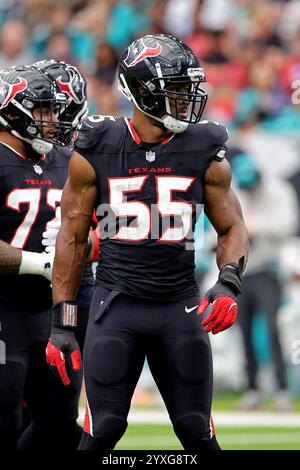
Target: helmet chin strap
(41, 146)
(172, 124)
(38, 145)
(169, 122)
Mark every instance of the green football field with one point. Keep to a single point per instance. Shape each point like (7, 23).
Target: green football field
(149, 428)
(157, 436)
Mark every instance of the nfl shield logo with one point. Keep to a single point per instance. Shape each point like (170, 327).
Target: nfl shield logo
(38, 169)
(150, 156)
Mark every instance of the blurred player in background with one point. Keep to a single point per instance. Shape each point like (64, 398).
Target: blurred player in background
(271, 215)
(159, 165)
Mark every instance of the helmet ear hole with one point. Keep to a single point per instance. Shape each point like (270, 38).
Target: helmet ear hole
(150, 103)
(143, 91)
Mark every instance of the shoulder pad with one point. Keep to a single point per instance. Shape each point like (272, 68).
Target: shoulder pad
(89, 129)
(216, 131)
(217, 136)
(62, 152)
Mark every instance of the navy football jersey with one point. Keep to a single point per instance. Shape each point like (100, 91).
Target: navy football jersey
(148, 202)
(29, 194)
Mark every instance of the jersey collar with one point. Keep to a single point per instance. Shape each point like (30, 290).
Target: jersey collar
(137, 138)
(19, 153)
(13, 150)
(132, 131)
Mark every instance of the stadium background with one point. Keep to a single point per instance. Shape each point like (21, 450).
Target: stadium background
(251, 54)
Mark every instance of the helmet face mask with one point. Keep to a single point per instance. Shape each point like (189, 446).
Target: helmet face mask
(46, 120)
(163, 78)
(182, 98)
(73, 86)
(29, 103)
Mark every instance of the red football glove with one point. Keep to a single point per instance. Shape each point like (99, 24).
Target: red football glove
(93, 246)
(62, 352)
(223, 296)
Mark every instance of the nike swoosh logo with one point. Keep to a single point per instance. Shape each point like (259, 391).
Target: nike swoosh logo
(189, 310)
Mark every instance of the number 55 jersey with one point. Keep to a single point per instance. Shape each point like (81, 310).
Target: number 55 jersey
(149, 199)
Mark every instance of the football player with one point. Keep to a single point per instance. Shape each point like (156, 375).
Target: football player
(72, 83)
(33, 168)
(147, 177)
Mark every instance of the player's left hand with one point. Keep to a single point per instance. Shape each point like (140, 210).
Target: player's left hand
(62, 352)
(223, 296)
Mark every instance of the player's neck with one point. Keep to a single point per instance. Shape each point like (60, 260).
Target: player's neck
(147, 128)
(15, 143)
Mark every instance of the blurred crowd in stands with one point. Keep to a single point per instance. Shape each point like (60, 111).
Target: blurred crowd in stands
(250, 50)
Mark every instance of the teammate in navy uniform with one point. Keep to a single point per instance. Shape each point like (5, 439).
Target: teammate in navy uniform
(72, 83)
(33, 171)
(146, 177)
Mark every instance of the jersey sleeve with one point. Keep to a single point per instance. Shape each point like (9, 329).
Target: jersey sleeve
(87, 138)
(218, 137)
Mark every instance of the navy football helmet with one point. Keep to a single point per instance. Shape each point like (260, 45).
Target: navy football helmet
(73, 84)
(162, 76)
(22, 90)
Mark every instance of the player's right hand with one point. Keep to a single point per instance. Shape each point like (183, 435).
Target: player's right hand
(37, 263)
(62, 352)
(223, 297)
(63, 355)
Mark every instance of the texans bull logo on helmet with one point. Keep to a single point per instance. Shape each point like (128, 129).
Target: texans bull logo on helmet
(74, 87)
(143, 54)
(8, 91)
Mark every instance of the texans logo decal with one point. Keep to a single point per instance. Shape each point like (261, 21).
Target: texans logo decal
(145, 52)
(8, 91)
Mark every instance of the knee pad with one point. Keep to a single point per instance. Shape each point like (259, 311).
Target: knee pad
(192, 430)
(106, 435)
(199, 349)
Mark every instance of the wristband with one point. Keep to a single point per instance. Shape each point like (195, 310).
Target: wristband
(231, 275)
(64, 315)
